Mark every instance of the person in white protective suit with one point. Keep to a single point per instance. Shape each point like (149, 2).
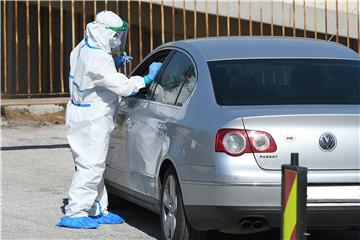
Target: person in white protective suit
(95, 89)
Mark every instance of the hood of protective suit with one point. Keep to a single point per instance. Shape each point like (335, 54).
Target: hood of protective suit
(98, 32)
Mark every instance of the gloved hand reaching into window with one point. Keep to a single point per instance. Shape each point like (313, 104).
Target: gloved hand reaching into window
(153, 70)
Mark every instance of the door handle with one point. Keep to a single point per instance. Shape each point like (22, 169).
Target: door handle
(162, 127)
(130, 122)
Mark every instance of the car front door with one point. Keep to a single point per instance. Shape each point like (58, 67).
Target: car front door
(117, 170)
(120, 147)
(152, 118)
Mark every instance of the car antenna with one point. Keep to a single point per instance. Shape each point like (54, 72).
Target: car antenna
(331, 37)
(337, 29)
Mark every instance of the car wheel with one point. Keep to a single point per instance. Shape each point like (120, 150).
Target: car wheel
(174, 225)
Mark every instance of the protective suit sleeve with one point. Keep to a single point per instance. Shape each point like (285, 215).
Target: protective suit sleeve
(104, 74)
(73, 57)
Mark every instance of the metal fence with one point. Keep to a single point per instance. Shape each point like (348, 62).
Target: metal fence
(38, 35)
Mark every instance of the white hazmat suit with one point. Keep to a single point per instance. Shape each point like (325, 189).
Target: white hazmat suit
(95, 89)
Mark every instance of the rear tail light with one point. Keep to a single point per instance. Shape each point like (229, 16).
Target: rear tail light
(235, 142)
(261, 142)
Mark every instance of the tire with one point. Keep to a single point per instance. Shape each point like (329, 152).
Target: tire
(173, 222)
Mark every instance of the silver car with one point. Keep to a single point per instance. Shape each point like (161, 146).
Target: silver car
(204, 144)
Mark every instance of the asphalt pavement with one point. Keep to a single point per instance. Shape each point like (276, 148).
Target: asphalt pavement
(37, 168)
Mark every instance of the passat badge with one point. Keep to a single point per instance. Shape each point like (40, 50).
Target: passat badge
(327, 142)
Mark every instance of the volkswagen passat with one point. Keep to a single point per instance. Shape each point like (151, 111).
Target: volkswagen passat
(204, 144)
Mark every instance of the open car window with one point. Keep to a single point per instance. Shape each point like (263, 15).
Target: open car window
(143, 70)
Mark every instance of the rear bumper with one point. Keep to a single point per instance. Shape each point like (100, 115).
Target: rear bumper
(220, 217)
(218, 206)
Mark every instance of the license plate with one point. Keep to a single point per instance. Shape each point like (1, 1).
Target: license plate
(334, 194)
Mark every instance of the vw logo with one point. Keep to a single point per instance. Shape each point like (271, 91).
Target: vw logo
(327, 142)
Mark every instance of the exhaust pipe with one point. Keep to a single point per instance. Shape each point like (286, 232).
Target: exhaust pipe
(246, 224)
(258, 224)
(249, 224)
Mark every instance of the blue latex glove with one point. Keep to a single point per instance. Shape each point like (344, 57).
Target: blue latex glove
(153, 70)
(120, 60)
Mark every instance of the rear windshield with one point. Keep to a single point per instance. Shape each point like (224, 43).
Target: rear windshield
(285, 81)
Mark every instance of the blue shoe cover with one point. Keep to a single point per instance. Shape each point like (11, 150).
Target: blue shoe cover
(78, 222)
(109, 218)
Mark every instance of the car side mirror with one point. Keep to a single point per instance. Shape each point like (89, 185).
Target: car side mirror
(131, 101)
(143, 93)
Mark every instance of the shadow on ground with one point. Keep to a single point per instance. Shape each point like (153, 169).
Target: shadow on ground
(65, 202)
(34, 147)
(149, 223)
(136, 216)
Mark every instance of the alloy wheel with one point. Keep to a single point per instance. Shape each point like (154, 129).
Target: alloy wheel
(169, 207)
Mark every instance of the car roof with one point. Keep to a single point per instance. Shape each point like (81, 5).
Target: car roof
(221, 48)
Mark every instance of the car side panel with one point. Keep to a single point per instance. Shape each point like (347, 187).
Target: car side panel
(150, 143)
